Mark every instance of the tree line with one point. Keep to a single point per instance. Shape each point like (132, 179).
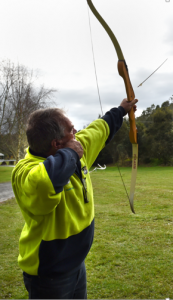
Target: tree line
(19, 96)
(155, 139)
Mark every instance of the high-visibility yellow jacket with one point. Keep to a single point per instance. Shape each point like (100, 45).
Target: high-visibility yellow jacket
(55, 196)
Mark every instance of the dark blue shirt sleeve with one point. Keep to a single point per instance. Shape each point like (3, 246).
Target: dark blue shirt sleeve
(114, 118)
(61, 166)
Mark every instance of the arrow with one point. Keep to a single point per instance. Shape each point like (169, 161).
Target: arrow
(152, 73)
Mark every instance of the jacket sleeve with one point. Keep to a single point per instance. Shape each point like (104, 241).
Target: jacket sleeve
(61, 166)
(99, 133)
(38, 188)
(114, 118)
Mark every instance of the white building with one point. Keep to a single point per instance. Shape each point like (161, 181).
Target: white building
(1, 155)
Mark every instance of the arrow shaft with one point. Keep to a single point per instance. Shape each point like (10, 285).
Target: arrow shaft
(152, 73)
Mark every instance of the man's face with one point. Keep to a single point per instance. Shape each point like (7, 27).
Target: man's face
(69, 131)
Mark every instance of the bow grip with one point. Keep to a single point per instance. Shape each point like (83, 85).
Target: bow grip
(123, 72)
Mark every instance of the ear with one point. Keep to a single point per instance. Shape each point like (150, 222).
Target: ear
(56, 144)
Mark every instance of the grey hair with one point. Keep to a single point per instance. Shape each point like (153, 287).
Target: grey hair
(43, 126)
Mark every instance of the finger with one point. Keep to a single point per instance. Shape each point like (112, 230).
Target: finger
(134, 108)
(135, 101)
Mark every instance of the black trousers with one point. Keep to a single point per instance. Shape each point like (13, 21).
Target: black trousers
(66, 287)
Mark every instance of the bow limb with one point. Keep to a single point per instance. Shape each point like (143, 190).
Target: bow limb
(123, 72)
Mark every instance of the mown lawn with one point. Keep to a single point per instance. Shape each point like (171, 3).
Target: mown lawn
(5, 174)
(132, 255)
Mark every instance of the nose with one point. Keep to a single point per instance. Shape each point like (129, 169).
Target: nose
(74, 130)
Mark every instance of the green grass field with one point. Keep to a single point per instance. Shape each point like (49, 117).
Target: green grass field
(132, 255)
(5, 174)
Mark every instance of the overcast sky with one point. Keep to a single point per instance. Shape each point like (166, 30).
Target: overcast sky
(53, 37)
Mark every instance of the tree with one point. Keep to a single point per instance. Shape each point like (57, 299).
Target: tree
(165, 104)
(18, 98)
(160, 135)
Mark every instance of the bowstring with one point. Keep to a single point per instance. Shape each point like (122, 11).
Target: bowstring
(98, 91)
(94, 62)
(123, 182)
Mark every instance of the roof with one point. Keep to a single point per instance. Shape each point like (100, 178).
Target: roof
(1, 154)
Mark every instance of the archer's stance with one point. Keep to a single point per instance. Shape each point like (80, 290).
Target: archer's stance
(53, 188)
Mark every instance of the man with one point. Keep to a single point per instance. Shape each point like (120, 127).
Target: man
(53, 189)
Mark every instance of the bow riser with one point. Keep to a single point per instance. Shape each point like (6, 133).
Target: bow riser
(123, 72)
